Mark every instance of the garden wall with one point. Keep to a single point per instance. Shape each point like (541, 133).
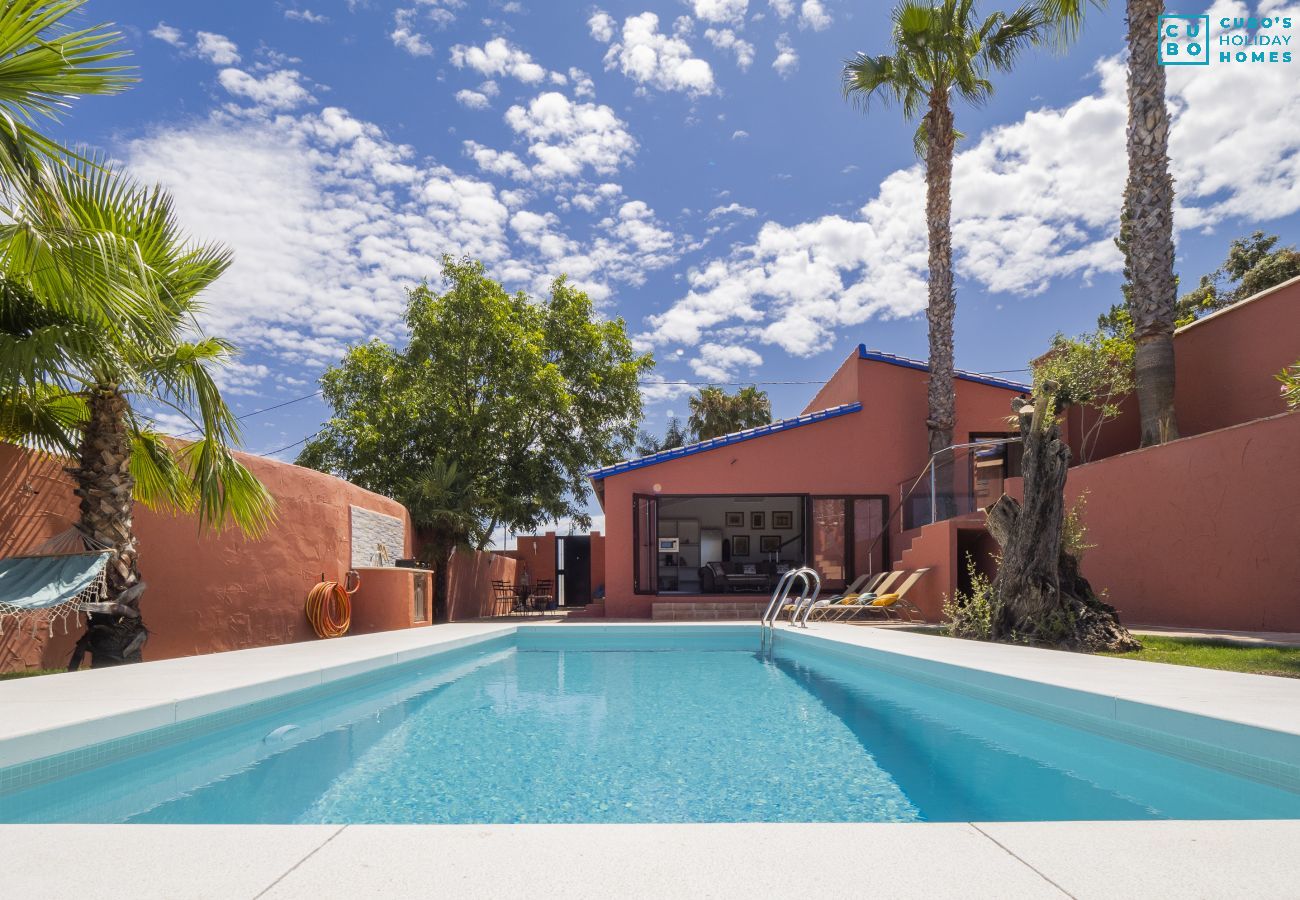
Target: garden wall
(1202, 532)
(469, 584)
(211, 592)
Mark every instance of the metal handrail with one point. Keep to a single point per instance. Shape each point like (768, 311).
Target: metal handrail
(806, 603)
(782, 593)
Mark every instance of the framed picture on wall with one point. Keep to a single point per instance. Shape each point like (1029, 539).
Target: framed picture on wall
(757, 521)
(783, 521)
(769, 543)
(735, 520)
(740, 544)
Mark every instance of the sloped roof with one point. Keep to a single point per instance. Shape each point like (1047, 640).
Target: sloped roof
(725, 440)
(877, 356)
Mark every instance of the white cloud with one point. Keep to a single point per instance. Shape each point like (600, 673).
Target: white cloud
(566, 138)
(726, 39)
(720, 362)
(405, 37)
(168, 35)
(473, 99)
(583, 87)
(305, 15)
(719, 10)
(496, 58)
(732, 208)
(1033, 201)
(602, 26)
(739, 135)
(784, 9)
(217, 48)
(812, 14)
(658, 60)
(278, 90)
(787, 60)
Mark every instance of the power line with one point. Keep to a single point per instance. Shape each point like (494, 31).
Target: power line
(258, 412)
(289, 446)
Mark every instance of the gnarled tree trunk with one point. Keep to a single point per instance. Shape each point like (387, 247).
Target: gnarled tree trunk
(939, 314)
(1148, 238)
(1039, 594)
(105, 486)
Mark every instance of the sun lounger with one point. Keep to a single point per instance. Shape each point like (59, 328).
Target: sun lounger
(834, 608)
(894, 605)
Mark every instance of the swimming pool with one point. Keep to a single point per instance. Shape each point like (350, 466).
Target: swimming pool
(556, 725)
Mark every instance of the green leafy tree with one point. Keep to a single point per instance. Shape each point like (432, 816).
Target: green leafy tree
(1290, 381)
(942, 51)
(714, 412)
(72, 385)
(1093, 370)
(492, 414)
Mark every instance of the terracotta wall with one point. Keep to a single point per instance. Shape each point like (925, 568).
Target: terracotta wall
(536, 555)
(1226, 365)
(209, 592)
(469, 585)
(867, 452)
(1201, 532)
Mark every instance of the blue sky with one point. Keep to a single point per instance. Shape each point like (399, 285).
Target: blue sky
(690, 162)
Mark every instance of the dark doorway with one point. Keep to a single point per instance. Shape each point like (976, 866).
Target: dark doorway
(573, 569)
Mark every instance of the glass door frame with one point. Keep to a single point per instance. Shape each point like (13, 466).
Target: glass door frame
(850, 544)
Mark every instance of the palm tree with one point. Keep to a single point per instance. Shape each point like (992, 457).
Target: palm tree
(44, 64)
(714, 412)
(71, 385)
(1147, 226)
(941, 51)
(444, 509)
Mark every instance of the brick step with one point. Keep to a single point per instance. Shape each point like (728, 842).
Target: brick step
(590, 611)
(708, 611)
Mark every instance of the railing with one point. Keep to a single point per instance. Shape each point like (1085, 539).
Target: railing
(921, 493)
(812, 585)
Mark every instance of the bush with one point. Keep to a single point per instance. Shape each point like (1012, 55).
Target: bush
(971, 615)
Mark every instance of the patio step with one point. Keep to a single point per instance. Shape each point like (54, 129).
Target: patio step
(590, 611)
(708, 611)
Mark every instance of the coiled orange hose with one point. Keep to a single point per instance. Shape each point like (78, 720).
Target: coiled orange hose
(329, 607)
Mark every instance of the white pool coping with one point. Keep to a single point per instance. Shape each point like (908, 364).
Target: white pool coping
(54, 714)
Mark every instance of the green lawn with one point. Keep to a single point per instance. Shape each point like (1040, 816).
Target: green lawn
(1283, 661)
(28, 673)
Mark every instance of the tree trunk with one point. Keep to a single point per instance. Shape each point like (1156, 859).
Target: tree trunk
(105, 486)
(1149, 226)
(940, 140)
(1039, 594)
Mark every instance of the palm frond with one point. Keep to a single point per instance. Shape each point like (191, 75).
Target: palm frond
(225, 491)
(42, 416)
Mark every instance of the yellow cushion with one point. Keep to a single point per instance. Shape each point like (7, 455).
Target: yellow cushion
(885, 600)
(849, 600)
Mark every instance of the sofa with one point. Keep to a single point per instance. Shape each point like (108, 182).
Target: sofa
(731, 577)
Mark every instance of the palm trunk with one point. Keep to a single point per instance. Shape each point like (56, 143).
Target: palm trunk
(105, 486)
(1149, 226)
(940, 140)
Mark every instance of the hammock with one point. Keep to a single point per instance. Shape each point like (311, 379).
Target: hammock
(46, 588)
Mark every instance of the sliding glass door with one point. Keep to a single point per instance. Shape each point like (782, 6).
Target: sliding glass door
(848, 537)
(645, 526)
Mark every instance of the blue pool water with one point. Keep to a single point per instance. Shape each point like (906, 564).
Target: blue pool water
(545, 729)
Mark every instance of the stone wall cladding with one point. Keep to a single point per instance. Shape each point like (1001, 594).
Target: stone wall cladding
(370, 530)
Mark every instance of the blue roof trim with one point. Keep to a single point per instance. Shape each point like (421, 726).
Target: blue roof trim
(725, 440)
(877, 356)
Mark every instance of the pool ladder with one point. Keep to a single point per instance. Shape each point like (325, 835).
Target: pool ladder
(811, 586)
